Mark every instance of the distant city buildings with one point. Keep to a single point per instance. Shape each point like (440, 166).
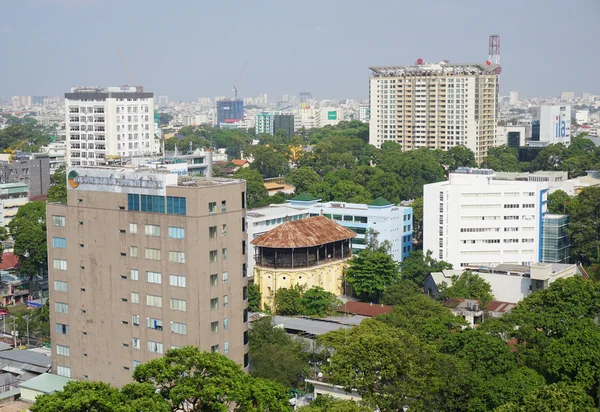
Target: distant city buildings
(514, 98)
(229, 110)
(12, 197)
(567, 96)
(551, 124)
(364, 113)
(305, 97)
(437, 106)
(22, 101)
(269, 123)
(104, 124)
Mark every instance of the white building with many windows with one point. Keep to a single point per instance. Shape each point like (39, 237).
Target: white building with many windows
(474, 220)
(107, 124)
(437, 106)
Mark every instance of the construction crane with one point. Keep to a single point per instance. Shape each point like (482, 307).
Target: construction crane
(13, 149)
(235, 86)
(140, 87)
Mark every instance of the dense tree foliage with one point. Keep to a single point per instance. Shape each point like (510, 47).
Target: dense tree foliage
(417, 266)
(370, 271)
(256, 192)
(298, 300)
(397, 293)
(276, 355)
(329, 404)
(101, 397)
(25, 133)
(28, 229)
(468, 285)
(183, 379)
(539, 357)
(198, 381)
(234, 140)
(57, 192)
(254, 304)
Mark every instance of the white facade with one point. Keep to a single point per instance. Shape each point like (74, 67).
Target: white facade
(508, 283)
(474, 220)
(502, 134)
(305, 117)
(393, 223)
(437, 106)
(555, 123)
(582, 116)
(105, 124)
(514, 98)
(364, 113)
(263, 219)
(567, 96)
(329, 116)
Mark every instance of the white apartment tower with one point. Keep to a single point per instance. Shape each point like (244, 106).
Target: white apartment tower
(108, 123)
(474, 220)
(437, 106)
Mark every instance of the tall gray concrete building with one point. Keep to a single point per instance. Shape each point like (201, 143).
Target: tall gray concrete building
(141, 261)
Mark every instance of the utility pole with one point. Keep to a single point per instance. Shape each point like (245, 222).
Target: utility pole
(27, 319)
(14, 333)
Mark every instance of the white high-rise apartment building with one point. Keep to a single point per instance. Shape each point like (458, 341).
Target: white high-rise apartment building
(108, 123)
(474, 220)
(437, 106)
(567, 96)
(514, 98)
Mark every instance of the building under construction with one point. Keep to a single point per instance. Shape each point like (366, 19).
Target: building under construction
(230, 110)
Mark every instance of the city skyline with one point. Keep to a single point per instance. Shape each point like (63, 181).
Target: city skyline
(175, 51)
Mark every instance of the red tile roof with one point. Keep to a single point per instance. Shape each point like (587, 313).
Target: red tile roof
(364, 309)
(9, 261)
(312, 231)
(239, 162)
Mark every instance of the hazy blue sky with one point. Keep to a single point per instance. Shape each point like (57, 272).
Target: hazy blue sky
(193, 48)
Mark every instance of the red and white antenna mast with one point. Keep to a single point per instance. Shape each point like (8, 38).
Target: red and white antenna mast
(494, 49)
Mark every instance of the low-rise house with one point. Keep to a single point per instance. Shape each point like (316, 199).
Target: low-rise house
(509, 283)
(43, 384)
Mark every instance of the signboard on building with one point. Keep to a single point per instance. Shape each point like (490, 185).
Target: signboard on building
(119, 181)
(332, 115)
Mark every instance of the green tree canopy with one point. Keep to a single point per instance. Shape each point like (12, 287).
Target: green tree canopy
(370, 271)
(329, 404)
(299, 301)
(276, 355)
(503, 159)
(468, 285)
(205, 381)
(397, 293)
(256, 192)
(78, 396)
(28, 229)
(302, 178)
(57, 192)
(417, 266)
(254, 304)
(268, 162)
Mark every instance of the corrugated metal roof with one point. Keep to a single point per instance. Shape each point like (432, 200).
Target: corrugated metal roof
(46, 383)
(312, 231)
